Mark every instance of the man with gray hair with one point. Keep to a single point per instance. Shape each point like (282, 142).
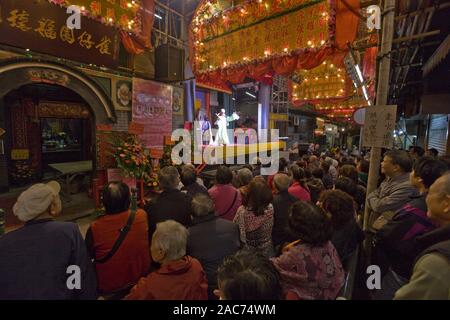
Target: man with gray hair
(180, 277)
(244, 177)
(211, 238)
(171, 204)
(282, 201)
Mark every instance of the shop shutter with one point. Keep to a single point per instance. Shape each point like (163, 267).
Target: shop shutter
(437, 134)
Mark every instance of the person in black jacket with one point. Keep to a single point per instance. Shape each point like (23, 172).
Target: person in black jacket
(45, 259)
(211, 239)
(282, 201)
(347, 234)
(171, 204)
(190, 185)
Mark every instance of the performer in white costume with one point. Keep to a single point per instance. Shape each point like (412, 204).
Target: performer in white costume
(222, 123)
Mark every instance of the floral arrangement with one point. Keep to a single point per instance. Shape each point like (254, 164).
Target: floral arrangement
(132, 158)
(152, 181)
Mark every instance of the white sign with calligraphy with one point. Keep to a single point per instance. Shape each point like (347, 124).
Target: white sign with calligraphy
(379, 126)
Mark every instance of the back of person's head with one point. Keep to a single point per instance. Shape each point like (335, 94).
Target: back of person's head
(282, 164)
(401, 159)
(188, 176)
(248, 275)
(169, 241)
(347, 185)
(297, 173)
(364, 165)
(116, 197)
(312, 159)
(429, 170)
(318, 173)
(259, 197)
(224, 175)
(433, 152)
(308, 174)
(417, 150)
(349, 171)
(202, 205)
(281, 182)
(339, 205)
(168, 178)
(244, 176)
(309, 223)
(301, 163)
(325, 167)
(38, 200)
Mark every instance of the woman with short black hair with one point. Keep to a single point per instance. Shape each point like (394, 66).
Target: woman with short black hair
(310, 267)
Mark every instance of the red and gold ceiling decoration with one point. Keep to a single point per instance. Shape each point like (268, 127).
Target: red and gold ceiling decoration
(260, 37)
(326, 82)
(341, 110)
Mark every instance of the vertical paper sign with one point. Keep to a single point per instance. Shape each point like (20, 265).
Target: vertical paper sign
(152, 108)
(379, 126)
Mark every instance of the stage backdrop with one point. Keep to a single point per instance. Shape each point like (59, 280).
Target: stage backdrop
(152, 107)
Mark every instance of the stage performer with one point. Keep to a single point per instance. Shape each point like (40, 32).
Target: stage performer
(205, 127)
(222, 123)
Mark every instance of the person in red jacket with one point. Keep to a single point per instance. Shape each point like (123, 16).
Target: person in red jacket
(298, 188)
(180, 277)
(132, 260)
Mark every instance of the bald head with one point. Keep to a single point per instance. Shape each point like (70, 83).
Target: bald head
(281, 182)
(438, 200)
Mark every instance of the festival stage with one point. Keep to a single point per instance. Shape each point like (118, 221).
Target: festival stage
(235, 153)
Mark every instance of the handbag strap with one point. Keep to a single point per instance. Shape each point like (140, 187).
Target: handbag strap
(123, 231)
(232, 204)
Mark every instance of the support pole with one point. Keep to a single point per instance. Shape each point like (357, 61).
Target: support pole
(382, 96)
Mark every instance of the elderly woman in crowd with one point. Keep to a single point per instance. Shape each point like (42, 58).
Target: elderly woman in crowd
(244, 177)
(180, 277)
(255, 218)
(310, 267)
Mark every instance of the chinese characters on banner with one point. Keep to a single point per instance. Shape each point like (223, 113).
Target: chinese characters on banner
(152, 107)
(379, 126)
(303, 28)
(41, 27)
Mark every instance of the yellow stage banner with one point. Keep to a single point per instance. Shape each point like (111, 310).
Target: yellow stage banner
(304, 28)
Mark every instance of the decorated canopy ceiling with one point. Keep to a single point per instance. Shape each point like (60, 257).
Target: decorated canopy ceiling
(342, 110)
(260, 37)
(325, 82)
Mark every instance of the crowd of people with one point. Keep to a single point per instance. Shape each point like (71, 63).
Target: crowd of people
(286, 236)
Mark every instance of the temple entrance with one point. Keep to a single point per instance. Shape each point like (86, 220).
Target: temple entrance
(45, 125)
